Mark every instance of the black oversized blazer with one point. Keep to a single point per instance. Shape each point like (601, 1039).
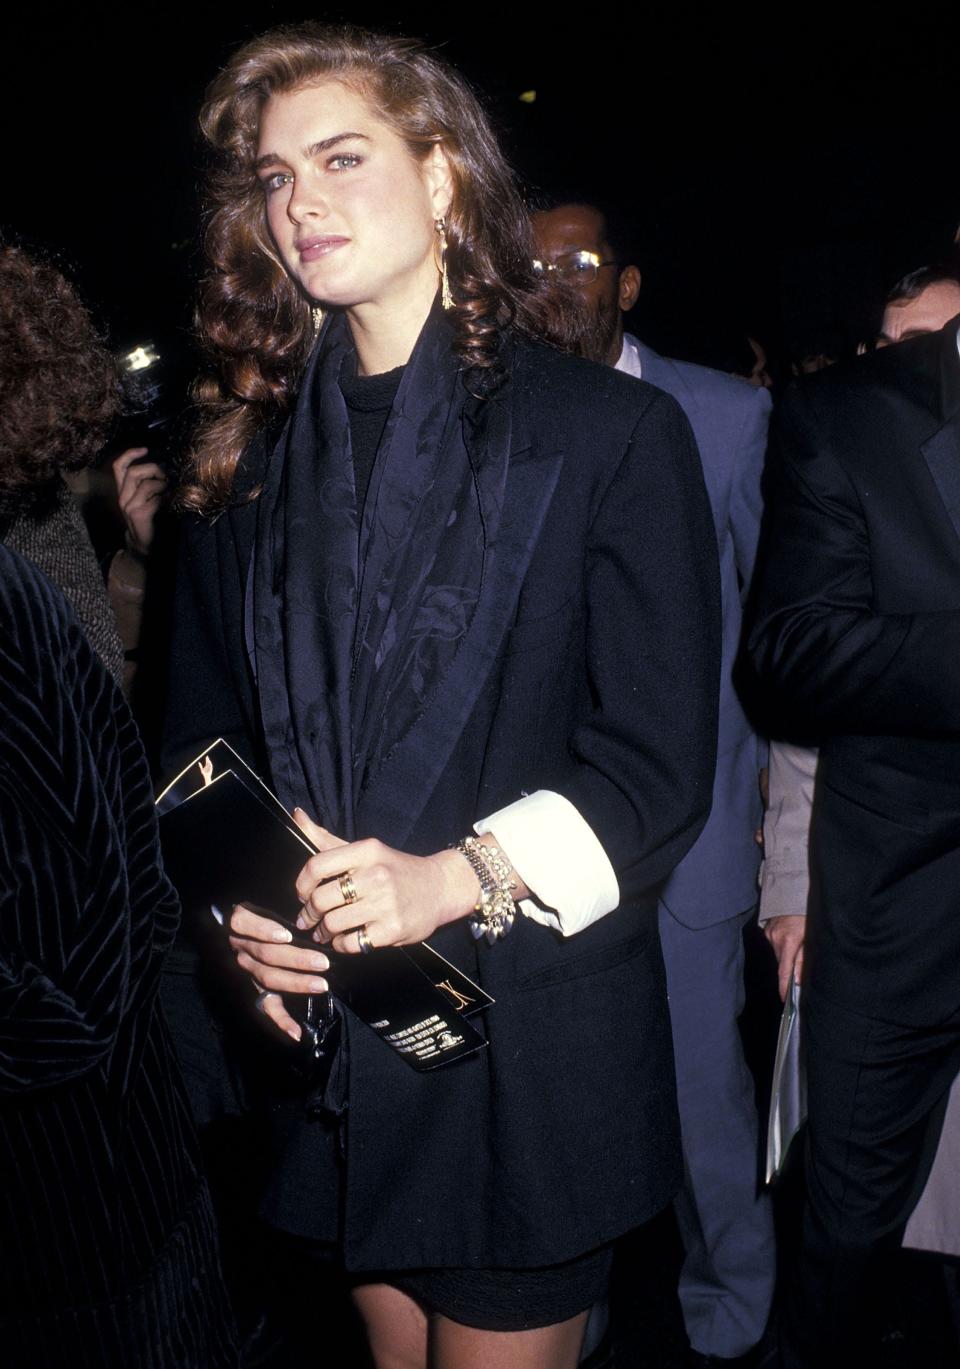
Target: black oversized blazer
(591, 668)
(855, 635)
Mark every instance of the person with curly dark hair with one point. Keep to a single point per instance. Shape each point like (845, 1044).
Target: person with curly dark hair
(60, 393)
(462, 603)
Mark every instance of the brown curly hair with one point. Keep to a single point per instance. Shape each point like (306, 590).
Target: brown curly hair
(59, 386)
(255, 320)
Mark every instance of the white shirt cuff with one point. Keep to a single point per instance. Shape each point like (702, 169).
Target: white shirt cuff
(558, 856)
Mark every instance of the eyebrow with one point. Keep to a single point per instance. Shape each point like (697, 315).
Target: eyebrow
(314, 150)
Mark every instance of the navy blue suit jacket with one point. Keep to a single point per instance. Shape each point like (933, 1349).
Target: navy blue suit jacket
(717, 878)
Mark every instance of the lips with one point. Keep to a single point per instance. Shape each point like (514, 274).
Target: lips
(312, 249)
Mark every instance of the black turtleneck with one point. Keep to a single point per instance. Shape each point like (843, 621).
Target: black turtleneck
(369, 400)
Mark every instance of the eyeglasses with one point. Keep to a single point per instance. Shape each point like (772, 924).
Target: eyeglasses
(578, 267)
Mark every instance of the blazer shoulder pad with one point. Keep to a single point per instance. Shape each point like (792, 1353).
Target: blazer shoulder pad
(571, 387)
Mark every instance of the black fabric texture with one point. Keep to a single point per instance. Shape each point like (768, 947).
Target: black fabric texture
(106, 1234)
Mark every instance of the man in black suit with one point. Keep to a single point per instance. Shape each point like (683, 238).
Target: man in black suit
(856, 638)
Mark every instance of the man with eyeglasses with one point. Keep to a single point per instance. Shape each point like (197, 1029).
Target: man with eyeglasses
(726, 1284)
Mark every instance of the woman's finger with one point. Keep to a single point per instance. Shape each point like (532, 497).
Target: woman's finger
(122, 463)
(281, 981)
(343, 920)
(342, 858)
(325, 897)
(144, 470)
(245, 921)
(139, 485)
(271, 1005)
(321, 838)
(352, 943)
(302, 958)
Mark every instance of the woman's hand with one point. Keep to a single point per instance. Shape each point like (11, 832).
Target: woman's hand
(263, 949)
(364, 893)
(141, 486)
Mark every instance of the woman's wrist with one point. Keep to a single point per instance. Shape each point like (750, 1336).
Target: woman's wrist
(461, 891)
(460, 887)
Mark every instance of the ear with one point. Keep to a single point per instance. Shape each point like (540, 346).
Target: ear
(628, 288)
(439, 178)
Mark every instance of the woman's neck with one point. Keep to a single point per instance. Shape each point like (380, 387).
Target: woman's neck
(385, 333)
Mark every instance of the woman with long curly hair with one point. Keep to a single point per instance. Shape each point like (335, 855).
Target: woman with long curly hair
(461, 605)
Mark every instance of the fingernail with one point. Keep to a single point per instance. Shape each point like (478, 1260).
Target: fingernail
(319, 962)
(281, 934)
(293, 1033)
(318, 934)
(296, 811)
(318, 985)
(302, 923)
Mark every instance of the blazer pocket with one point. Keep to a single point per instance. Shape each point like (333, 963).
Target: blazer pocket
(529, 634)
(591, 962)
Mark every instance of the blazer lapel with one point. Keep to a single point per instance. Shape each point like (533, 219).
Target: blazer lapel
(941, 450)
(515, 483)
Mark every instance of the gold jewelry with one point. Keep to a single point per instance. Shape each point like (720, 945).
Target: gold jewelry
(363, 941)
(495, 910)
(446, 297)
(347, 887)
(316, 314)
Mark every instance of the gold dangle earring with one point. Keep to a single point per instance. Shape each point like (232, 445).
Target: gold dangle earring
(446, 298)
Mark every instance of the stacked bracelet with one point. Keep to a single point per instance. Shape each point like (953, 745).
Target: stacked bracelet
(495, 909)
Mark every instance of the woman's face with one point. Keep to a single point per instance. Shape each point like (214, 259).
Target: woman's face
(350, 210)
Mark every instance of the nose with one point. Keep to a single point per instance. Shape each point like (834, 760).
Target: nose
(306, 200)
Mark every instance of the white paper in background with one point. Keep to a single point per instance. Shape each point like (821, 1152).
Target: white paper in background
(788, 1097)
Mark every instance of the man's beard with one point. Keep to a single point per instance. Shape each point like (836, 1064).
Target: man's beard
(598, 333)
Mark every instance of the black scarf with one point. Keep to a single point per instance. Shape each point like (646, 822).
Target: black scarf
(357, 624)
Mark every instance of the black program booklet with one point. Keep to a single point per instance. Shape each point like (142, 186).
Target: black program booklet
(227, 839)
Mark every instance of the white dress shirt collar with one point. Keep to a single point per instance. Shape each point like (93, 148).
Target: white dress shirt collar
(630, 362)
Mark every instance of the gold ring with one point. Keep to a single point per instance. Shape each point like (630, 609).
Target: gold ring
(347, 887)
(363, 941)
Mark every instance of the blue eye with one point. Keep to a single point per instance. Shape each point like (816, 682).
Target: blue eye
(344, 161)
(274, 182)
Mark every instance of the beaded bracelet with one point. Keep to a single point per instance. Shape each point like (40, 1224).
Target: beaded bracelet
(495, 909)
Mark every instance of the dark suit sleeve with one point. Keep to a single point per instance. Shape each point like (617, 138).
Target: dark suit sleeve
(203, 694)
(746, 498)
(86, 914)
(644, 758)
(829, 661)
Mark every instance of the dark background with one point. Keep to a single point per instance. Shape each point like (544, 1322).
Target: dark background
(782, 166)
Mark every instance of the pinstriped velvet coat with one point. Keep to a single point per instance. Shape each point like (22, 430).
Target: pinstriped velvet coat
(107, 1250)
